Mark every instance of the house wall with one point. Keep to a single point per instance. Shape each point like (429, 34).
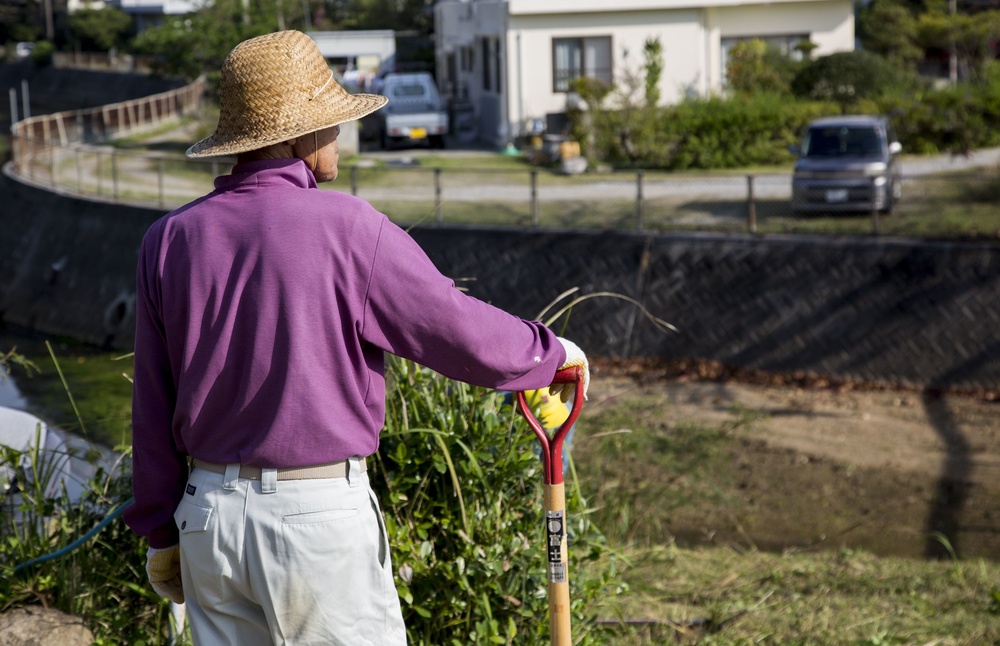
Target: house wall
(369, 50)
(462, 26)
(690, 36)
(530, 41)
(691, 32)
(829, 24)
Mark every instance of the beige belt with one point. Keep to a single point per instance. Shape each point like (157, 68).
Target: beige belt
(320, 471)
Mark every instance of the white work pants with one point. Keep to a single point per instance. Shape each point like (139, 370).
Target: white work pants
(286, 562)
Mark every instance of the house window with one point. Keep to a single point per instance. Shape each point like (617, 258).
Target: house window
(487, 63)
(574, 58)
(785, 44)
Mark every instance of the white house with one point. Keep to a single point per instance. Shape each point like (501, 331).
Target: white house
(148, 13)
(506, 64)
(357, 52)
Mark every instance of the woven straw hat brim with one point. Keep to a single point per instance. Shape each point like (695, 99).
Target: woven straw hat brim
(278, 87)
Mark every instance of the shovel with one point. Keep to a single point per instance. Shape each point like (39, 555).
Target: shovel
(555, 505)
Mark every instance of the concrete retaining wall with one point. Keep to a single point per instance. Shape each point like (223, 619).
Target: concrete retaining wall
(907, 311)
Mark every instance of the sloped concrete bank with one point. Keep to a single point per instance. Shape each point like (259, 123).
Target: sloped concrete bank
(895, 310)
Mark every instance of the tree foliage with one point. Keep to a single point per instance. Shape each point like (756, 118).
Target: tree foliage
(399, 15)
(972, 37)
(653, 53)
(754, 66)
(100, 29)
(845, 77)
(199, 43)
(897, 45)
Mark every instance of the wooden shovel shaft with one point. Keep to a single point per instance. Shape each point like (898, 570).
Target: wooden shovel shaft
(555, 505)
(558, 564)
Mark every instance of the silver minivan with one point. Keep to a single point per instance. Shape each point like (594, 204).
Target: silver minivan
(845, 164)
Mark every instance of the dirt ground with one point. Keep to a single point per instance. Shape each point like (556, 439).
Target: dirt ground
(830, 464)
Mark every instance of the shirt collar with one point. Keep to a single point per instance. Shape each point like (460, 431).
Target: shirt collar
(292, 172)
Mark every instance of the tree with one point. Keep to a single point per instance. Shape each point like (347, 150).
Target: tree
(846, 77)
(897, 45)
(399, 15)
(99, 29)
(199, 43)
(755, 67)
(969, 37)
(653, 52)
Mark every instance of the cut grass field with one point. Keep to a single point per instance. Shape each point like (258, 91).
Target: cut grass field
(665, 490)
(638, 474)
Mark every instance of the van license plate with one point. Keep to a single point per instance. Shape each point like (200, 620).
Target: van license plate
(418, 133)
(836, 195)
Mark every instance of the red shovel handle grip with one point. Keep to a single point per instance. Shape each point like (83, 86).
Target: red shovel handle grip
(552, 446)
(573, 374)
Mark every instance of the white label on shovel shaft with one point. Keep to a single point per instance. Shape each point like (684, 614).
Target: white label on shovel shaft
(555, 532)
(557, 573)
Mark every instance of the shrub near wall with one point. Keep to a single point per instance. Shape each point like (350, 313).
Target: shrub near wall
(721, 133)
(955, 119)
(756, 129)
(706, 133)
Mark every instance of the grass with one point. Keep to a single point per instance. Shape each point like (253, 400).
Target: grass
(643, 472)
(96, 380)
(638, 469)
(720, 596)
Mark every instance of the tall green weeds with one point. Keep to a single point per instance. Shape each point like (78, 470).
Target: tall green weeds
(50, 553)
(461, 487)
(460, 484)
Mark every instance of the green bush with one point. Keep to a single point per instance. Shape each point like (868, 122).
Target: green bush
(103, 580)
(845, 77)
(756, 67)
(41, 55)
(756, 128)
(953, 119)
(460, 486)
(720, 133)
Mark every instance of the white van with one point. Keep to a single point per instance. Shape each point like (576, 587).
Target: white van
(414, 113)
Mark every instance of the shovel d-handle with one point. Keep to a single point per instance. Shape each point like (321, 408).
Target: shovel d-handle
(552, 446)
(555, 506)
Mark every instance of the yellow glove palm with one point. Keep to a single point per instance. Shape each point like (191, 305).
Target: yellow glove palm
(163, 567)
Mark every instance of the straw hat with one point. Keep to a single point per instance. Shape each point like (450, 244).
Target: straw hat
(274, 88)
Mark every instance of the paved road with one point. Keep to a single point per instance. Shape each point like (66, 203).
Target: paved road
(682, 187)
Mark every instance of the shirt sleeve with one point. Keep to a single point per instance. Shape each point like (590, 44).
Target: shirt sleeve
(159, 469)
(415, 312)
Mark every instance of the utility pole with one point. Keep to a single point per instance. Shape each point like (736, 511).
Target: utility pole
(50, 29)
(952, 47)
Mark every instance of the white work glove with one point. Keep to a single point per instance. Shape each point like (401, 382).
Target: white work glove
(163, 567)
(574, 357)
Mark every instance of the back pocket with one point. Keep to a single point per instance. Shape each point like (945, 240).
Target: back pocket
(320, 516)
(190, 517)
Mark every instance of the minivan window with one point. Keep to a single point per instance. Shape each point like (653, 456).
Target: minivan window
(409, 90)
(841, 141)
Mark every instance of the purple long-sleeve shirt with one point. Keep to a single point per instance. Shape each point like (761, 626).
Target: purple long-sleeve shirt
(262, 314)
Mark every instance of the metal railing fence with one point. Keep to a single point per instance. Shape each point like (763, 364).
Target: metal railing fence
(38, 142)
(61, 152)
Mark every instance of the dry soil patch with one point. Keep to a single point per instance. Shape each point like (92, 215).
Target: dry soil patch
(834, 464)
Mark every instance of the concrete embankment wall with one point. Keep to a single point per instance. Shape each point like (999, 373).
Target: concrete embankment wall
(906, 311)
